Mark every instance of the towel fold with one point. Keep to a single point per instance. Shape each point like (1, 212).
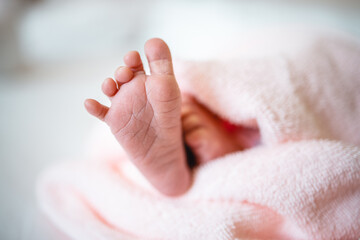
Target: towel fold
(302, 182)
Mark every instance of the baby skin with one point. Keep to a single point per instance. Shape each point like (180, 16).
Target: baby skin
(149, 119)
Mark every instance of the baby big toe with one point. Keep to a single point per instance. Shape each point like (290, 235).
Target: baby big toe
(159, 57)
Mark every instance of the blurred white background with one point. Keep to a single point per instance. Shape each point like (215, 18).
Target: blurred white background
(55, 53)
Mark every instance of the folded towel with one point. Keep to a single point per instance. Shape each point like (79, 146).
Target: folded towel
(302, 182)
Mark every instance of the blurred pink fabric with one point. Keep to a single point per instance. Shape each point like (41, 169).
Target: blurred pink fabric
(302, 182)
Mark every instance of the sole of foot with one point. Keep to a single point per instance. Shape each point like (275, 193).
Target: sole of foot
(145, 117)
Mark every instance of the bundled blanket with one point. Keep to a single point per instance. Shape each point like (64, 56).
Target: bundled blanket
(301, 182)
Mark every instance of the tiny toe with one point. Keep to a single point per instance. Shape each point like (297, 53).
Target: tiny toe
(191, 123)
(187, 98)
(96, 109)
(109, 87)
(133, 60)
(159, 57)
(197, 138)
(123, 75)
(186, 110)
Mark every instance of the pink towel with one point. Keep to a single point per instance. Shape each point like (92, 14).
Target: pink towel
(302, 182)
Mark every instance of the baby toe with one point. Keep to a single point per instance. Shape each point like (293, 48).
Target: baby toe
(123, 75)
(109, 87)
(96, 109)
(133, 60)
(159, 57)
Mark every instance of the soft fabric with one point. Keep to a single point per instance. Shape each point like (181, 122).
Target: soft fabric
(302, 182)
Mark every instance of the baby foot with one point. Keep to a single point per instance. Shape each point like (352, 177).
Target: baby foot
(204, 133)
(145, 117)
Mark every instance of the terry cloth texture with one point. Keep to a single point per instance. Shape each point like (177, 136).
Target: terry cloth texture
(302, 182)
